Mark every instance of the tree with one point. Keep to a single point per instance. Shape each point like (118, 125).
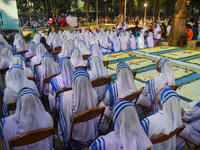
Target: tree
(121, 6)
(178, 22)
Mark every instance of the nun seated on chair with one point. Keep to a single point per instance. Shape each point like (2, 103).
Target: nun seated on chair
(166, 120)
(29, 115)
(165, 78)
(128, 133)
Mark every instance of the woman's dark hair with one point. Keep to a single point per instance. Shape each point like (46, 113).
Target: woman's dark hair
(43, 40)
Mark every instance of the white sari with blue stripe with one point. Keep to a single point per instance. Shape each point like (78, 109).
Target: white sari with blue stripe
(192, 130)
(30, 115)
(81, 98)
(165, 121)
(16, 80)
(128, 133)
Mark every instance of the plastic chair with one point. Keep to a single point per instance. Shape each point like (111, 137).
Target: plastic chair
(101, 81)
(83, 67)
(59, 48)
(131, 97)
(105, 63)
(55, 53)
(29, 58)
(86, 56)
(22, 52)
(134, 73)
(32, 78)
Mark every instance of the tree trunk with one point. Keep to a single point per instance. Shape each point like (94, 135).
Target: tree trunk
(178, 22)
(130, 8)
(158, 10)
(190, 10)
(121, 7)
(51, 6)
(87, 9)
(154, 11)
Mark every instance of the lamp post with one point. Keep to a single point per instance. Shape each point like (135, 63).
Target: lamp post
(145, 13)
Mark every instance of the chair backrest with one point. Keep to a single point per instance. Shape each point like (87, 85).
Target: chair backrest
(22, 52)
(129, 29)
(85, 56)
(29, 58)
(120, 29)
(55, 53)
(105, 63)
(32, 78)
(32, 137)
(101, 81)
(47, 80)
(58, 92)
(48, 49)
(11, 106)
(36, 66)
(83, 67)
(131, 97)
(163, 137)
(68, 57)
(134, 73)
(87, 115)
(59, 48)
(160, 32)
(174, 87)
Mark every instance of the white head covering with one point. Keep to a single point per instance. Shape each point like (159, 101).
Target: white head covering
(156, 35)
(21, 45)
(144, 29)
(96, 71)
(103, 43)
(167, 70)
(96, 51)
(30, 115)
(36, 38)
(171, 110)
(65, 78)
(128, 134)
(66, 52)
(149, 40)
(56, 41)
(48, 67)
(71, 45)
(31, 49)
(140, 41)
(116, 44)
(124, 85)
(15, 81)
(81, 98)
(127, 127)
(19, 59)
(6, 57)
(123, 41)
(16, 39)
(132, 42)
(40, 50)
(77, 58)
(83, 48)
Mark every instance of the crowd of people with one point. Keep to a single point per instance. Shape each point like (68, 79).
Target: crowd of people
(130, 129)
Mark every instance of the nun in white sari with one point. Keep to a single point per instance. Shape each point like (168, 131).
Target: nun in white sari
(40, 50)
(61, 81)
(77, 58)
(103, 44)
(128, 133)
(15, 80)
(29, 115)
(83, 48)
(165, 121)
(31, 49)
(66, 52)
(132, 42)
(21, 45)
(56, 41)
(48, 67)
(18, 35)
(140, 41)
(96, 71)
(81, 98)
(96, 51)
(36, 38)
(19, 59)
(192, 129)
(5, 58)
(165, 78)
(124, 41)
(124, 85)
(155, 33)
(149, 40)
(71, 45)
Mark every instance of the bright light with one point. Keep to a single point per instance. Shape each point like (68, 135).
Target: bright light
(145, 4)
